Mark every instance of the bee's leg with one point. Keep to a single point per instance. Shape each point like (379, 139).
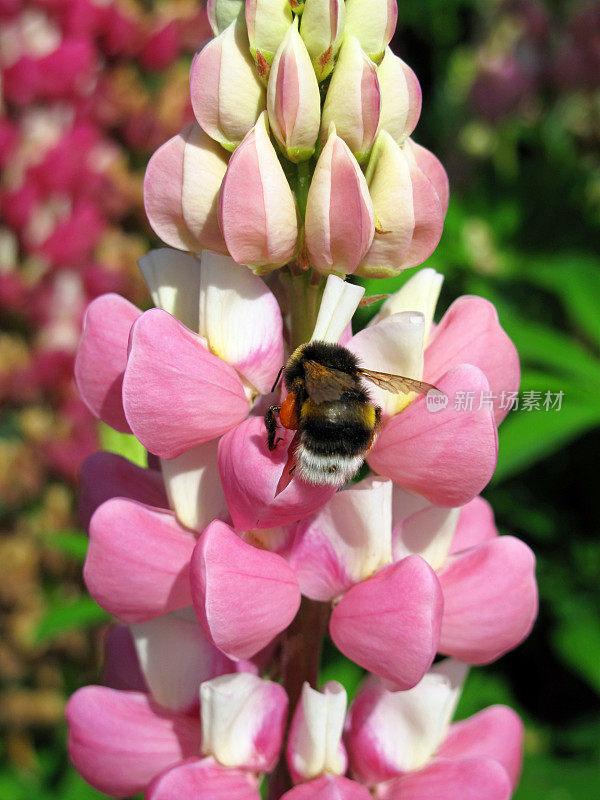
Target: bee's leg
(271, 426)
(277, 378)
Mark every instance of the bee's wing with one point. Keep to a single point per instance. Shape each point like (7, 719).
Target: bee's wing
(326, 383)
(397, 384)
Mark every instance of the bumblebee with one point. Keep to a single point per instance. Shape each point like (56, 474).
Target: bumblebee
(330, 408)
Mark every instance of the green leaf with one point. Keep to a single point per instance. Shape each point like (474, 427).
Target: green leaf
(528, 436)
(124, 444)
(482, 689)
(73, 787)
(575, 277)
(539, 345)
(64, 615)
(546, 778)
(577, 637)
(346, 672)
(72, 543)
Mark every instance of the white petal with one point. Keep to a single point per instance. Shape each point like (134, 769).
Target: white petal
(316, 733)
(405, 504)
(340, 301)
(194, 487)
(173, 278)
(427, 533)
(412, 724)
(175, 658)
(394, 345)
(241, 320)
(420, 293)
(345, 542)
(234, 711)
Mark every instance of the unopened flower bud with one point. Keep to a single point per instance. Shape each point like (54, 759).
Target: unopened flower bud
(373, 22)
(227, 96)
(268, 22)
(400, 97)
(353, 99)
(314, 743)
(257, 210)
(243, 720)
(409, 214)
(322, 29)
(181, 186)
(340, 222)
(293, 99)
(221, 13)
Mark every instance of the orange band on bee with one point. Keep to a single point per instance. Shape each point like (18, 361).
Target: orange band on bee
(288, 415)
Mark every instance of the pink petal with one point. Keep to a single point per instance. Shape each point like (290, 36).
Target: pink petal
(475, 525)
(250, 474)
(389, 733)
(340, 222)
(353, 100)
(176, 394)
(163, 188)
(121, 666)
(243, 596)
(490, 600)
(470, 332)
(447, 455)
(401, 98)
(119, 741)
(322, 573)
(329, 787)
(293, 99)
(390, 623)
(433, 169)
(496, 732)
(429, 218)
(467, 779)
(105, 475)
(137, 565)
(203, 780)
(226, 93)
(257, 209)
(102, 356)
(389, 176)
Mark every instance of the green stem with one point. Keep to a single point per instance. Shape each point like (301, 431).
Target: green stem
(304, 292)
(304, 176)
(299, 663)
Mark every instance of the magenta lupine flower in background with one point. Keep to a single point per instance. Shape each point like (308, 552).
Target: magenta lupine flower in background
(70, 96)
(225, 569)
